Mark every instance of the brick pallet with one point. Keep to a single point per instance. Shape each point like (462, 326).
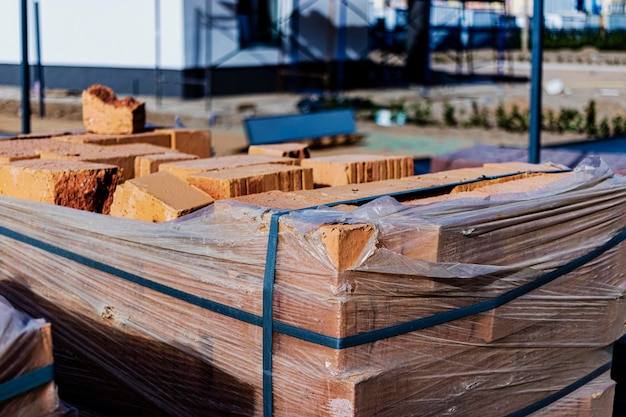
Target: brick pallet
(440, 301)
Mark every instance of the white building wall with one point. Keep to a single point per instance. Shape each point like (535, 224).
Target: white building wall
(112, 33)
(193, 33)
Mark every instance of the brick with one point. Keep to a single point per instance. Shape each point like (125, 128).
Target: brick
(149, 164)
(184, 168)
(121, 155)
(104, 113)
(338, 170)
(192, 141)
(289, 150)
(156, 198)
(80, 185)
(152, 138)
(252, 179)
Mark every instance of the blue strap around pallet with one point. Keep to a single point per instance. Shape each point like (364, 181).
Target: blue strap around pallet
(561, 393)
(24, 383)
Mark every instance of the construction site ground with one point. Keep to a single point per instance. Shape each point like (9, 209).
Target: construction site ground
(579, 76)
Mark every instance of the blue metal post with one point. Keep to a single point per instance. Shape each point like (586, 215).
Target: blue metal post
(341, 45)
(534, 150)
(42, 108)
(25, 73)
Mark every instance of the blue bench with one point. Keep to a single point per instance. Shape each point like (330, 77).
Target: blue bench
(330, 126)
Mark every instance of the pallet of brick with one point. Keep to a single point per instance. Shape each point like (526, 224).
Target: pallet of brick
(157, 197)
(253, 179)
(104, 113)
(356, 169)
(76, 184)
(27, 386)
(138, 303)
(288, 149)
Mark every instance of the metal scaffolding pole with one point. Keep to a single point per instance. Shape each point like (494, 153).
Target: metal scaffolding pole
(25, 73)
(534, 150)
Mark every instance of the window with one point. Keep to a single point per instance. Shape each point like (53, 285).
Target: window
(257, 22)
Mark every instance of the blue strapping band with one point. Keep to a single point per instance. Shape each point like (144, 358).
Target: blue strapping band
(24, 383)
(562, 393)
(268, 313)
(163, 289)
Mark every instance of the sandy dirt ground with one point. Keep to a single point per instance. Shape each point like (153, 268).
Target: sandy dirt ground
(580, 77)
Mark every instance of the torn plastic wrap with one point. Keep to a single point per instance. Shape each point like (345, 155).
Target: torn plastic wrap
(27, 387)
(479, 300)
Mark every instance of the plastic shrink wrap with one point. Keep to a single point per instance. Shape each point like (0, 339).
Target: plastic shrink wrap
(473, 293)
(27, 388)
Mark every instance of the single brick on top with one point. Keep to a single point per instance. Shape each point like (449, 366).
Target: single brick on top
(76, 184)
(149, 164)
(253, 179)
(192, 141)
(334, 170)
(122, 156)
(157, 197)
(183, 168)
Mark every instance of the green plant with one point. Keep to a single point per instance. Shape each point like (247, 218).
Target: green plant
(617, 125)
(590, 127)
(479, 117)
(550, 123)
(519, 121)
(449, 117)
(604, 129)
(569, 120)
(420, 112)
(502, 119)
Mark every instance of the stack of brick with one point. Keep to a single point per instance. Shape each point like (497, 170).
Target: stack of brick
(444, 299)
(82, 170)
(27, 387)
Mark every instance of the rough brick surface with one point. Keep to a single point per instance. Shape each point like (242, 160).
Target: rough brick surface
(192, 141)
(338, 170)
(76, 184)
(121, 155)
(252, 179)
(18, 149)
(289, 150)
(152, 138)
(104, 113)
(157, 197)
(149, 164)
(182, 169)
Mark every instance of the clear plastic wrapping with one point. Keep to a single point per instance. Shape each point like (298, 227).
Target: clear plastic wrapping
(26, 385)
(166, 318)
